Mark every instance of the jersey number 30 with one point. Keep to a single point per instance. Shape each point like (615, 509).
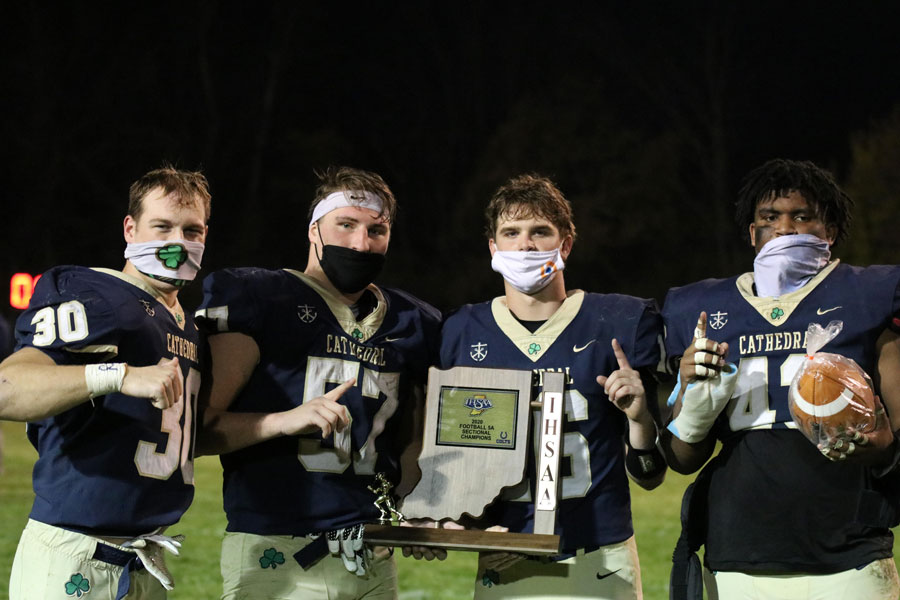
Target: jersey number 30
(69, 323)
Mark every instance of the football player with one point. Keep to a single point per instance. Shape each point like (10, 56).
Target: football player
(608, 347)
(106, 374)
(316, 376)
(779, 517)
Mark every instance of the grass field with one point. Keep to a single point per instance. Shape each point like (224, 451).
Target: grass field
(197, 570)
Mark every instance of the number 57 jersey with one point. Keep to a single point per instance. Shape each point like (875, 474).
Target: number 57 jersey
(114, 465)
(309, 343)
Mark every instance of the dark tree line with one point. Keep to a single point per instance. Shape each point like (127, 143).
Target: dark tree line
(645, 115)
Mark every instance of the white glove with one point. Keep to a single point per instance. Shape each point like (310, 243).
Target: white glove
(702, 402)
(348, 543)
(150, 548)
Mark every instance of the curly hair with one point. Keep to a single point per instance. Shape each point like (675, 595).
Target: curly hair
(779, 177)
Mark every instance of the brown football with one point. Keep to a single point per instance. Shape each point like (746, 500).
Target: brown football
(831, 395)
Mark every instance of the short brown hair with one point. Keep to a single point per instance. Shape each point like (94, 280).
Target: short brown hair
(186, 187)
(529, 196)
(336, 179)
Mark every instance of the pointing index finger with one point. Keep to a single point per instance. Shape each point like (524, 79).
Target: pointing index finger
(620, 355)
(700, 329)
(339, 390)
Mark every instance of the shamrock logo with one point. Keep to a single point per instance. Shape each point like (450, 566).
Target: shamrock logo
(777, 313)
(271, 558)
(534, 348)
(172, 256)
(490, 578)
(77, 586)
(357, 334)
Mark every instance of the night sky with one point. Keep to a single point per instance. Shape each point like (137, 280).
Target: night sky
(646, 114)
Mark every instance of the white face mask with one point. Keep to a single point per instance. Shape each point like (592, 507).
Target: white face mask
(173, 261)
(528, 272)
(786, 263)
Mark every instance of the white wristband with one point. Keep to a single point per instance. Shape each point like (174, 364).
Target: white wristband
(104, 378)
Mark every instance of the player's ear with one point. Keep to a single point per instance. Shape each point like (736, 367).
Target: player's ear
(831, 233)
(128, 228)
(566, 247)
(313, 233)
(492, 246)
(753, 235)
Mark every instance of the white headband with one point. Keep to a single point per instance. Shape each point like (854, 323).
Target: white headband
(344, 198)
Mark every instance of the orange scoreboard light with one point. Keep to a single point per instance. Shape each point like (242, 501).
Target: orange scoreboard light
(21, 286)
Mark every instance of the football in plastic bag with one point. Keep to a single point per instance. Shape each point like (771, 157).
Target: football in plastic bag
(831, 395)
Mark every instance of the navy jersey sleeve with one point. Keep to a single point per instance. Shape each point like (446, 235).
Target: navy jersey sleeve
(229, 304)
(895, 310)
(450, 335)
(430, 324)
(68, 319)
(645, 349)
(675, 317)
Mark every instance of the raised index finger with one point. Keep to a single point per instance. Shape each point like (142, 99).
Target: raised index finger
(700, 329)
(339, 390)
(620, 355)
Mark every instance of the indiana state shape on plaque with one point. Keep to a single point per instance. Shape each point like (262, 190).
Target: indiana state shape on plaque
(475, 443)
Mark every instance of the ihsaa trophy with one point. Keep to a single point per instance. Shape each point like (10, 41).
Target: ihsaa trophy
(475, 444)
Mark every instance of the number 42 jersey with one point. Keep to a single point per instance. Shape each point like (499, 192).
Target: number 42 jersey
(309, 343)
(114, 465)
(775, 503)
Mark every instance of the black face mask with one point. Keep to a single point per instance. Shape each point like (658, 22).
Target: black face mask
(350, 270)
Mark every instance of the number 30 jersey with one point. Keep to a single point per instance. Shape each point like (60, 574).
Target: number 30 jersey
(775, 503)
(114, 465)
(309, 343)
(595, 506)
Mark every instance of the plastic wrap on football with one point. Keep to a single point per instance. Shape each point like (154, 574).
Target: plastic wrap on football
(830, 396)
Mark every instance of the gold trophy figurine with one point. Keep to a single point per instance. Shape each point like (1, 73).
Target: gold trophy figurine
(384, 502)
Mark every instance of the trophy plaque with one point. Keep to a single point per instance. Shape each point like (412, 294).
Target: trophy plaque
(475, 444)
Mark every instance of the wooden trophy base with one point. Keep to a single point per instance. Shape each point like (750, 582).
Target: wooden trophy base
(463, 539)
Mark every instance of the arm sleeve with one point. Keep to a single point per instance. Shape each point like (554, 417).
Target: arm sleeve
(645, 351)
(673, 322)
(69, 320)
(445, 351)
(229, 304)
(895, 310)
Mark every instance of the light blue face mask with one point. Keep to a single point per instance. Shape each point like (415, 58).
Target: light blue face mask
(786, 263)
(174, 261)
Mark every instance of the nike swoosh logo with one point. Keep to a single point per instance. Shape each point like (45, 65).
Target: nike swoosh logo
(599, 576)
(827, 310)
(577, 349)
(393, 339)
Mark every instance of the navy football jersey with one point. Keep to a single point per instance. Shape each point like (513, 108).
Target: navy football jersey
(595, 507)
(309, 343)
(114, 465)
(775, 503)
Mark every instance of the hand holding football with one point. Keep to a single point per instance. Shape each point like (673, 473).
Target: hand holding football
(832, 397)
